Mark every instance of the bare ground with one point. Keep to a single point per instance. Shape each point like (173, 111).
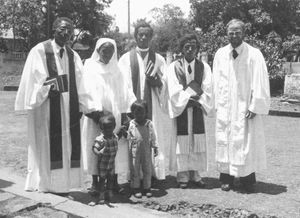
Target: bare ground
(277, 190)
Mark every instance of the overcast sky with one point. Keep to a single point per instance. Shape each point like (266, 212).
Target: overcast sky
(140, 9)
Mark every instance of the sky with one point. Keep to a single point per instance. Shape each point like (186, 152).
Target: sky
(139, 9)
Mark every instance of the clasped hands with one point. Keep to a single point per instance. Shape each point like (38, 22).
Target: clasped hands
(193, 101)
(250, 114)
(153, 78)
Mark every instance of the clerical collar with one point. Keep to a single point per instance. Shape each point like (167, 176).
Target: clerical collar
(142, 49)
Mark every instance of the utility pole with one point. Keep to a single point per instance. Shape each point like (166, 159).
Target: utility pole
(128, 17)
(48, 19)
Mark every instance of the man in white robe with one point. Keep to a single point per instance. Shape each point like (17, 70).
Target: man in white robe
(144, 70)
(242, 96)
(48, 92)
(190, 90)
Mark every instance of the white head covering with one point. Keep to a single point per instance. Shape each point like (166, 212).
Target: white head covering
(94, 65)
(103, 85)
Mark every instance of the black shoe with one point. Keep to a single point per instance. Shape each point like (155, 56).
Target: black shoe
(226, 187)
(183, 185)
(200, 184)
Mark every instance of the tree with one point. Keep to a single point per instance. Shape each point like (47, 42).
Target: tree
(28, 19)
(263, 16)
(169, 26)
(268, 23)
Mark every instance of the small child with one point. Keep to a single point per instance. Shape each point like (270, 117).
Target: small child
(106, 146)
(142, 139)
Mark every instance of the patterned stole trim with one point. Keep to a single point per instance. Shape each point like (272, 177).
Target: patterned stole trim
(182, 119)
(135, 77)
(55, 113)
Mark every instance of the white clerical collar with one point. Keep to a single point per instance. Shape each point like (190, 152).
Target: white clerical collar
(142, 49)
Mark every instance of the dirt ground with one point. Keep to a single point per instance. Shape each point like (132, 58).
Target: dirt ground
(277, 190)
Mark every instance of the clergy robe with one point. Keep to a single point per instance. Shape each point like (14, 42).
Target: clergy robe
(32, 96)
(161, 121)
(191, 148)
(240, 85)
(104, 88)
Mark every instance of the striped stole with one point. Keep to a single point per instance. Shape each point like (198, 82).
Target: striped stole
(135, 77)
(55, 113)
(182, 119)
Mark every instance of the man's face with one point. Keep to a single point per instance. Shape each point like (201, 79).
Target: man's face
(63, 33)
(106, 51)
(189, 50)
(143, 37)
(235, 35)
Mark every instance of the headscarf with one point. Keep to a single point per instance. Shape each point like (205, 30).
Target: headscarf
(94, 65)
(104, 84)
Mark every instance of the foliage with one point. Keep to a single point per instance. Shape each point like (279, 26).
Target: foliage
(28, 19)
(123, 41)
(24, 18)
(269, 26)
(169, 26)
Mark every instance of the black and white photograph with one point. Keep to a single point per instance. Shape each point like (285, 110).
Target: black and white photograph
(160, 108)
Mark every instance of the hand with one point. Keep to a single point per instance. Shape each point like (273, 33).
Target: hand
(192, 103)
(195, 97)
(154, 81)
(250, 115)
(122, 132)
(95, 115)
(155, 152)
(53, 93)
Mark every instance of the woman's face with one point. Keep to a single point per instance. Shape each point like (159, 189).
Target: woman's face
(106, 51)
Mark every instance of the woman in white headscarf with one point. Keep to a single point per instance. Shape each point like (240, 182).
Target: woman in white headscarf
(104, 89)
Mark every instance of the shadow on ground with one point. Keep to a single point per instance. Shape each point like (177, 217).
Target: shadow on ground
(213, 183)
(270, 188)
(4, 183)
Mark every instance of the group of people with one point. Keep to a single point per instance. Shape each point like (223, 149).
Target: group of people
(138, 118)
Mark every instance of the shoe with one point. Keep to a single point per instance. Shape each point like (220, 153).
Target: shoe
(200, 184)
(225, 187)
(148, 193)
(183, 185)
(93, 190)
(137, 193)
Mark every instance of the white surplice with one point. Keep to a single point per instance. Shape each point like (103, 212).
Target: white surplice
(240, 85)
(32, 96)
(160, 118)
(191, 149)
(104, 88)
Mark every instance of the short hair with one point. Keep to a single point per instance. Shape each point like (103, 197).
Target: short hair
(238, 22)
(187, 38)
(59, 20)
(139, 104)
(140, 25)
(106, 117)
